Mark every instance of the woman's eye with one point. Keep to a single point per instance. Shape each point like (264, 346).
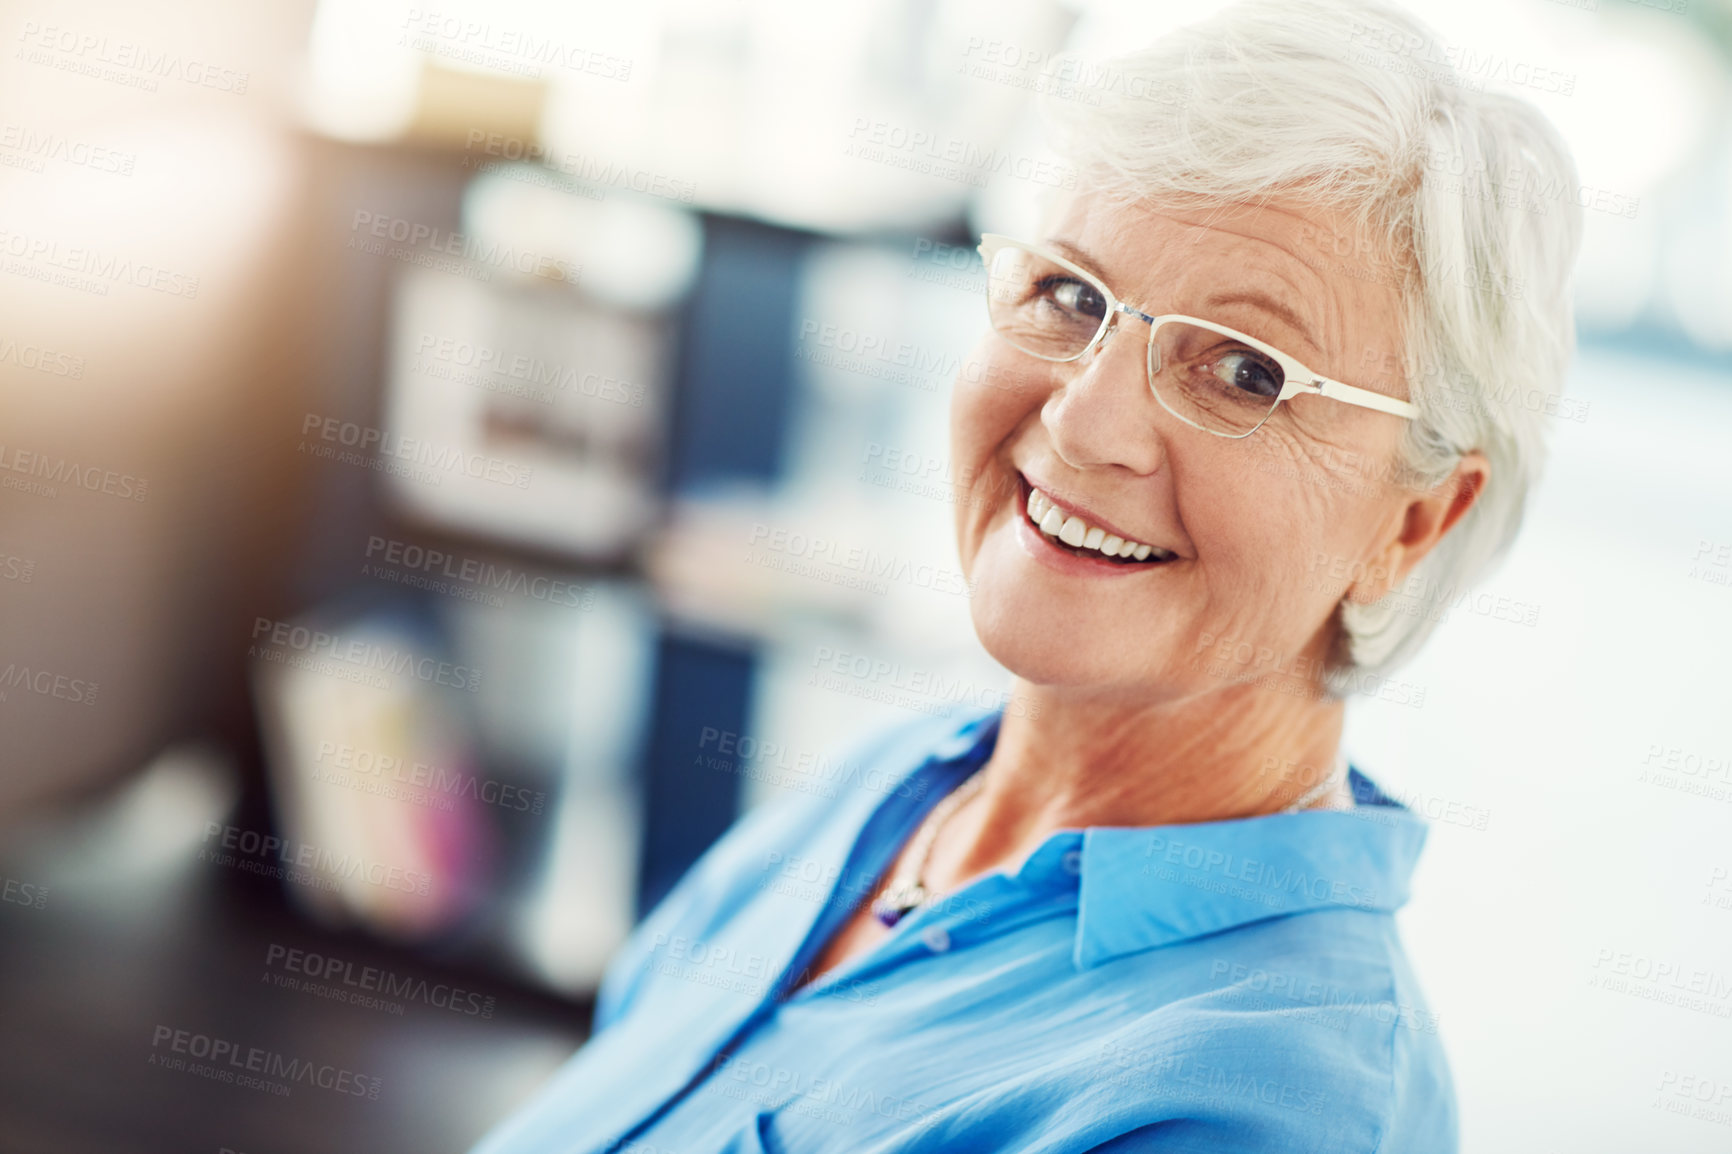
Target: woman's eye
(1077, 297)
(1249, 373)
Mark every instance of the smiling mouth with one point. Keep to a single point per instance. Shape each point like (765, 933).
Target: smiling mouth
(1073, 534)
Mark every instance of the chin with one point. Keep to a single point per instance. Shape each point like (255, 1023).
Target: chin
(1029, 640)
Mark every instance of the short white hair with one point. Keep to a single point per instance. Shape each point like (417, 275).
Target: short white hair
(1472, 195)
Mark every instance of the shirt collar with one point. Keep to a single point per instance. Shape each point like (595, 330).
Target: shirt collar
(1149, 886)
(1156, 885)
(972, 739)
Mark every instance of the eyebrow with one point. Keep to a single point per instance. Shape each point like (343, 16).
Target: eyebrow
(1076, 253)
(1269, 305)
(1252, 297)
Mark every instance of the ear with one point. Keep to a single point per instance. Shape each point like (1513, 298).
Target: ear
(1418, 525)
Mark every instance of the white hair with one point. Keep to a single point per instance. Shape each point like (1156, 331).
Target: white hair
(1469, 196)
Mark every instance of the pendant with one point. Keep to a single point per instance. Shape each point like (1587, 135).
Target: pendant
(897, 902)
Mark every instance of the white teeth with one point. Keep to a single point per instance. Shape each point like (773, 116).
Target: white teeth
(1078, 533)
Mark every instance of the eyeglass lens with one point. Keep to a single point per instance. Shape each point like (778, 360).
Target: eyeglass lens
(1208, 378)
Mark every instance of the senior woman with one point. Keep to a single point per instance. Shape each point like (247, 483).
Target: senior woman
(1210, 446)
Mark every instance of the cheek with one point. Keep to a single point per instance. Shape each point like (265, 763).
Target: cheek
(994, 392)
(1319, 518)
(992, 398)
(1259, 523)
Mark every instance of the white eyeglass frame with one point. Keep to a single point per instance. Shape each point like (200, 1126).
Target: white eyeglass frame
(1297, 380)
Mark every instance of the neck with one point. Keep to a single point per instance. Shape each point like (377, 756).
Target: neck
(1070, 761)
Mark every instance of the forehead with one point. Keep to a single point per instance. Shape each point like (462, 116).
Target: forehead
(1280, 231)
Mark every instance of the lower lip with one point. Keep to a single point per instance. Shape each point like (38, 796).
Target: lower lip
(1041, 547)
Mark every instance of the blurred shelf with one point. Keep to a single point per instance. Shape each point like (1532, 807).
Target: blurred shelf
(119, 953)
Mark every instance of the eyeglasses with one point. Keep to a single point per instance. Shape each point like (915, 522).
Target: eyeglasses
(1209, 376)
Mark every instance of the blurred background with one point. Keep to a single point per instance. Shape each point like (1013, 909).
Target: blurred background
(445, 452)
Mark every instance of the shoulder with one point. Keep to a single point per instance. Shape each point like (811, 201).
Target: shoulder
(1298, 1033)
(768, 842)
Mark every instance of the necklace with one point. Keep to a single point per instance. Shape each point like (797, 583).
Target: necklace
(902, 897)
(1337, 772)
(908, 893)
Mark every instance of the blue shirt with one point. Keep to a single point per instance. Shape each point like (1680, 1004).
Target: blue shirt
(1223, 986)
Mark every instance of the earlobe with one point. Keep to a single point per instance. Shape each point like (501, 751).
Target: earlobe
(1380, 577)
(1424, 522)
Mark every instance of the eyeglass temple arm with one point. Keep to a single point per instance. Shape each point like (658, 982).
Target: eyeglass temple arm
(1364, 398)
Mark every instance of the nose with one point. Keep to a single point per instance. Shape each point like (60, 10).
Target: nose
(1106, 413)
(1123, 315)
